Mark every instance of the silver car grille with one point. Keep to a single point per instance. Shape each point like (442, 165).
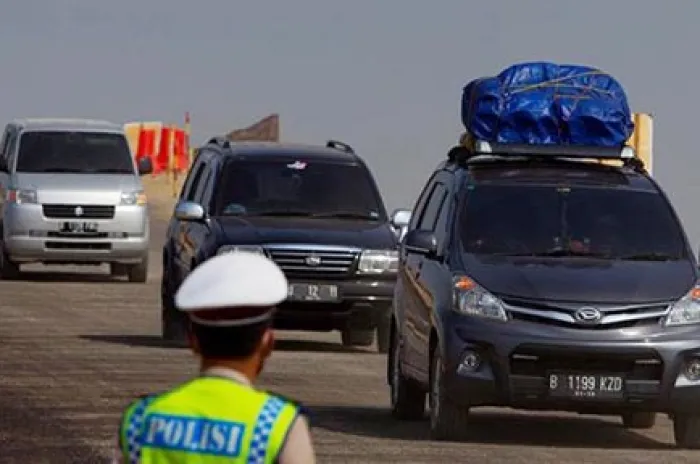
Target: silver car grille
(563, 314)
(313, 260)
(79, 212)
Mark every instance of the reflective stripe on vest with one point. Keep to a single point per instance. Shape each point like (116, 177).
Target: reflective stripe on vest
(133, 435)
(159, 428)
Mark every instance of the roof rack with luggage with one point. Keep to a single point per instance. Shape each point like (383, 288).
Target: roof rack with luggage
(480, 149)
(545, 111)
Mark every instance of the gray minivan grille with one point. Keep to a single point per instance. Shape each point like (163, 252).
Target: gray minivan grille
(613, 316)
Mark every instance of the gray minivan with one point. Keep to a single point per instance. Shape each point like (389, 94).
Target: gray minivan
(71, 194)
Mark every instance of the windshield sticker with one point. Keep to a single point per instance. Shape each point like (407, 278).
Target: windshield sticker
(298, 165)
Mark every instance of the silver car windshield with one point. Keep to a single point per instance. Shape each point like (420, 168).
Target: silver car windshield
(74, 152)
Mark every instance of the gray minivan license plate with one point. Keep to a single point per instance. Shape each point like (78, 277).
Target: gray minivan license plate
(79, 227)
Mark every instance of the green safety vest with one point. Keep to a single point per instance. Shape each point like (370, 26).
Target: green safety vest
(209, 420)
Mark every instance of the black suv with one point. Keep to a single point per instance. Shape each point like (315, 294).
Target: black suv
(540, 278)
(315, 211)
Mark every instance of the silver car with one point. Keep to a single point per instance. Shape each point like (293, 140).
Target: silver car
(71, 194)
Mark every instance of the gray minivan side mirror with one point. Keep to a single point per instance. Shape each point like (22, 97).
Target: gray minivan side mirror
(190, 211)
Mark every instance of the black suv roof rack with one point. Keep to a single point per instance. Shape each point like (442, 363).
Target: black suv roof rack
(462, 154)
(223, 142)
(338, 145)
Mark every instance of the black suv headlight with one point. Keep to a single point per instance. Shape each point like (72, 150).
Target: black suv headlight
(471, 299)
(248, 248)
(685, 311)
(377, 262)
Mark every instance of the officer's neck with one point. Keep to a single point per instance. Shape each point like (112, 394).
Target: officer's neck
(247, 367)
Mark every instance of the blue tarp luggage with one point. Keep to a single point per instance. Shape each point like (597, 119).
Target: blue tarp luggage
(546, 103)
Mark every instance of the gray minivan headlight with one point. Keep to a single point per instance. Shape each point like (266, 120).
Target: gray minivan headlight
(686, 310)
(471, 299)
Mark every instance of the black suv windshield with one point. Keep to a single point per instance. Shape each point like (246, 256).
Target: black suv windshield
(295, 188)
(605, 223)
(74, 152)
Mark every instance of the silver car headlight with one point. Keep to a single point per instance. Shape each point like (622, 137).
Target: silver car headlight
(21, 196)
(686, 310)
(245, 248)
(378, 262)
(137, 197)
(471, 299)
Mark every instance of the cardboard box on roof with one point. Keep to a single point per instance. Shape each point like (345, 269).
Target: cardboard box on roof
(642, 140)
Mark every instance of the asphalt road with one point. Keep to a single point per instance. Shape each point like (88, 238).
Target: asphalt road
(76, 347)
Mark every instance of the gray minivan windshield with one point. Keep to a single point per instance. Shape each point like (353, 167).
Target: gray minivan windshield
(599, 222)
(74, 152)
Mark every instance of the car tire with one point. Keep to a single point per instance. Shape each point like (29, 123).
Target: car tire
(138, 272)
(448, 421)
(686, 431)
(354, 337)
(9, 270)
(173, 328)
(639, 420)
(384, 333)
(407, 398)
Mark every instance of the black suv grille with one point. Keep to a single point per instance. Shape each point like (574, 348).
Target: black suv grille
(71, 211)
(313, 262)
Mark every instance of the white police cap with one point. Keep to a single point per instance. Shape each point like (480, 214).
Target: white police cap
(232, 289)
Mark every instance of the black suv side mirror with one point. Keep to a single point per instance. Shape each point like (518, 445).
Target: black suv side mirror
(422, 242)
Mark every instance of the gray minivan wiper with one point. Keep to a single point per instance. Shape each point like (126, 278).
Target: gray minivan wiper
(650, 256)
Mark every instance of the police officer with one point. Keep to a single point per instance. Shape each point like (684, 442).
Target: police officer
(219, 417)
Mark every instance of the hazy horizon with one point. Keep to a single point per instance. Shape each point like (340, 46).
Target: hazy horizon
(385, 77)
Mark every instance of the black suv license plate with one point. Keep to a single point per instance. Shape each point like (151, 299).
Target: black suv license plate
(586, 386)
(312, 292)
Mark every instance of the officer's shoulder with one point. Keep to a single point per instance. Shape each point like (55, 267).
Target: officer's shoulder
(298, 405)
(143, 399)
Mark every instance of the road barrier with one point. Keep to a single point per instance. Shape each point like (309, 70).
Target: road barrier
(168, 146)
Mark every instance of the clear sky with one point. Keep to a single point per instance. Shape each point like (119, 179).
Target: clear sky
(383, 75)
